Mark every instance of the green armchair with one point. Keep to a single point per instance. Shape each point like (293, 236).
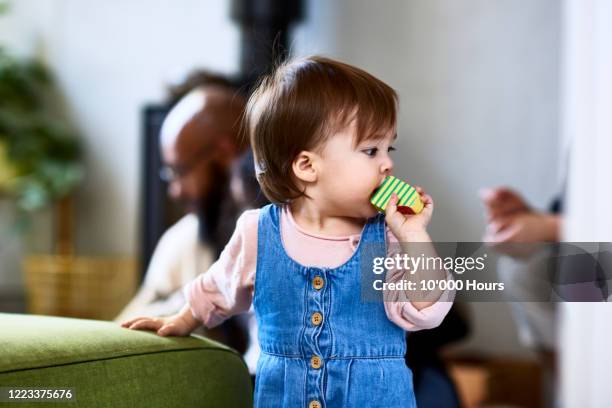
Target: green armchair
(107, 365)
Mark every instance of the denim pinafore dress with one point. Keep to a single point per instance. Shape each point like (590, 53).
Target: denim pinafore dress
(321, 346)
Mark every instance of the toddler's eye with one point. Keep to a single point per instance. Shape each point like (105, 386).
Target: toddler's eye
(371, 152)
(392, 149)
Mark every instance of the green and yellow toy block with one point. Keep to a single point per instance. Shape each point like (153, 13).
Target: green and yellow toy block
(409, 198)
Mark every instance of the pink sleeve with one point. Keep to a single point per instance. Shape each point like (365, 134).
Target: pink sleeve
(226, 288)
(404, 314)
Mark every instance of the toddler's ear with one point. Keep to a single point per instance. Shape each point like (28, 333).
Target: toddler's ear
(304, 167)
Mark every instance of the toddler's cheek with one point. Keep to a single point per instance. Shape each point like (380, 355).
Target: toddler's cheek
(371, 212)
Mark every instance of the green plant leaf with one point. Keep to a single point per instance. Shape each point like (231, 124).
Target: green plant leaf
(40, 155)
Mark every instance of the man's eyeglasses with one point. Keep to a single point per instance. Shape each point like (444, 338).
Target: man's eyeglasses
(168, 173)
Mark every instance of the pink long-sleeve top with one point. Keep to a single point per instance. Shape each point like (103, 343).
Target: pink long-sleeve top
(227, 287)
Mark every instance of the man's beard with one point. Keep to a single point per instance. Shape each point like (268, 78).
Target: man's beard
(216, 212)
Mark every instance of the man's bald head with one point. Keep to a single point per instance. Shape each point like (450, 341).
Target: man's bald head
(199, 139)
(207, 114)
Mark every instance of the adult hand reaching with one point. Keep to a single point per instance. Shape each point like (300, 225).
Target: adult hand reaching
(502, 201)
(510, 220)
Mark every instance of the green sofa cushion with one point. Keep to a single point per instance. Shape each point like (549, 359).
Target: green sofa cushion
(107, 365)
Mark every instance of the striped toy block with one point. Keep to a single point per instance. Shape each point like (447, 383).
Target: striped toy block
(409, 198)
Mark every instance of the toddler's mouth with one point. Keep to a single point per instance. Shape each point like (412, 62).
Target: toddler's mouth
(377, 187)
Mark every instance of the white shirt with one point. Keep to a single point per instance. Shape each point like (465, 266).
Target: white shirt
(178, 258)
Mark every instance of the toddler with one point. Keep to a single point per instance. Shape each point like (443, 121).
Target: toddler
(322, 132)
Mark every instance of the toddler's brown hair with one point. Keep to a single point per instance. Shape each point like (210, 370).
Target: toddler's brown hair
(301, 104)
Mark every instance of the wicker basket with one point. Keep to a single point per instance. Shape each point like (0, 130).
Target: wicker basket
(92, 288)
(64, 284)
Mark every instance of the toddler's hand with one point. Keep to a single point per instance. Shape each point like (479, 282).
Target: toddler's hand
(409, 227)
(180, 324)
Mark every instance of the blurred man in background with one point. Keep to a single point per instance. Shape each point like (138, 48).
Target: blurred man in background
(199, 142)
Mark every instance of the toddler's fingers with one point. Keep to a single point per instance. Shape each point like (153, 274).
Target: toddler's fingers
(135, 323)
(166, 330)
(391, 208)
(172, 329)
(146, 324)
(129, 322)
(428, 202)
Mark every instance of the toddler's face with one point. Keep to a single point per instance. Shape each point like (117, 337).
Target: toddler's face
(349, 174)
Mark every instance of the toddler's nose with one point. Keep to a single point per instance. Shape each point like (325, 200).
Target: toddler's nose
(387, 167)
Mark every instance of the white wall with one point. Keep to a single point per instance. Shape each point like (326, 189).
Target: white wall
(110, 58)
(478, 87)
(587, 101)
